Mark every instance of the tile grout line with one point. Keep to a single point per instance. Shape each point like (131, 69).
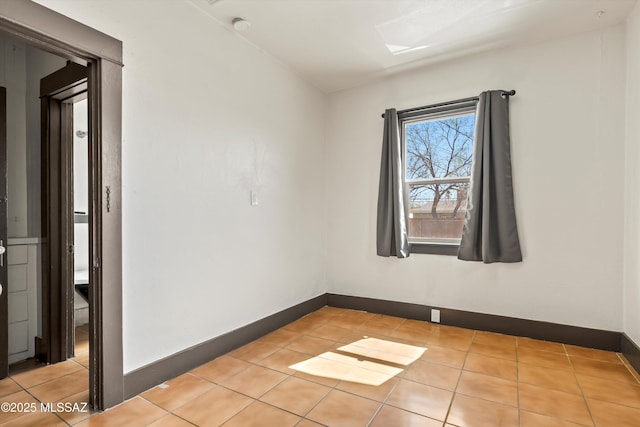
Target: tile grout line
(330, 389)
(518, 381)
(303, 333)
(404, 372)
(584, 398)
(631, 370)
(39, 401)
(327, 320)
(455, 390)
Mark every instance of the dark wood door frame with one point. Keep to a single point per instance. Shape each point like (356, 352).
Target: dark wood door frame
(35, 25)
(57, 94)
(4, 296)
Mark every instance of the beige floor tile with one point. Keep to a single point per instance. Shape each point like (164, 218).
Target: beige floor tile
(541, 345)
(308, 423)
(433, 374)
(310, 345)
(347, 368)
(592, 353)
(492, 338)
(412, 330)
(555, 379)
(543, 358)
(494, 350)
(378, 393)
(254, 351)
(425, 400)
(487, 365)
(611, 415)
(391, 352)
(330, 332)
(170, 420)
(551, 383)
(80, 409)
(351, 337)
(626, 363)
(59, 388)
(295, 395)
(320, 317)
(596, 368)
(134, 412)
(375, 364)
(220, 369)
(556, 404)
(21, 397)
(213, 407)
(529, 419)
(47, 373)
(35, 419)
(456, 342)
(347, 322)
(279, 338)
(81, 345)
(381, 324)
(8, 386)
(453, 330)
(282, 359)
(487, 387)
(301, 326)
(610, 391)
(319, 379)
(259, 414)
(82, 359)
(471, 412)
(444, 356)
(254, 381)
(343, 409)
(390, 416)
(177, 392)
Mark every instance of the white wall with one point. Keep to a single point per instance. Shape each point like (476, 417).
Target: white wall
(38, 65)
(632, 194)
(21, 68)
(567, 128)
(206, 118)
(12, 76)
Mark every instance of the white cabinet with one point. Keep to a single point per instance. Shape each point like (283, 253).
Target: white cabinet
(23, 289)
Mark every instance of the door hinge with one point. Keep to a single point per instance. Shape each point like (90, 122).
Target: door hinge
(70, 249)
(108, 193)
(97, 263)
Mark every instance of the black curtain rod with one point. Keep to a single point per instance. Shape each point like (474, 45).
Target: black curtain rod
(444, 104)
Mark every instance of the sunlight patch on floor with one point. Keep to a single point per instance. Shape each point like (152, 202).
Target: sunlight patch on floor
(369, 361)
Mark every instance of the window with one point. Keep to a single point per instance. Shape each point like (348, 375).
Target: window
(438, 149)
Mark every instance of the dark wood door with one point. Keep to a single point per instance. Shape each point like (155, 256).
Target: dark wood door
(57, 93)
(4, 305)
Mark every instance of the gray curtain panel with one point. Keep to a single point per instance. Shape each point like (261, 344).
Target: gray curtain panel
(490, 232)
(392, 239)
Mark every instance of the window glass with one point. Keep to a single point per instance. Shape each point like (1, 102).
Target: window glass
(438, 154)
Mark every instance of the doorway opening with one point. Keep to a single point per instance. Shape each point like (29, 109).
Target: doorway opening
(47, 243)
(36, 26)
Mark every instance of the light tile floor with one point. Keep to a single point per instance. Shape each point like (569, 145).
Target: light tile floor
(66, 382)
(463, 378)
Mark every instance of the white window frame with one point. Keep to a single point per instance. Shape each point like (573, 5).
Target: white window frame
(432, 245)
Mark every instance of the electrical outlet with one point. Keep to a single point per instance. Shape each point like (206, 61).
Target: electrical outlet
(254, 198)
(435, 315)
